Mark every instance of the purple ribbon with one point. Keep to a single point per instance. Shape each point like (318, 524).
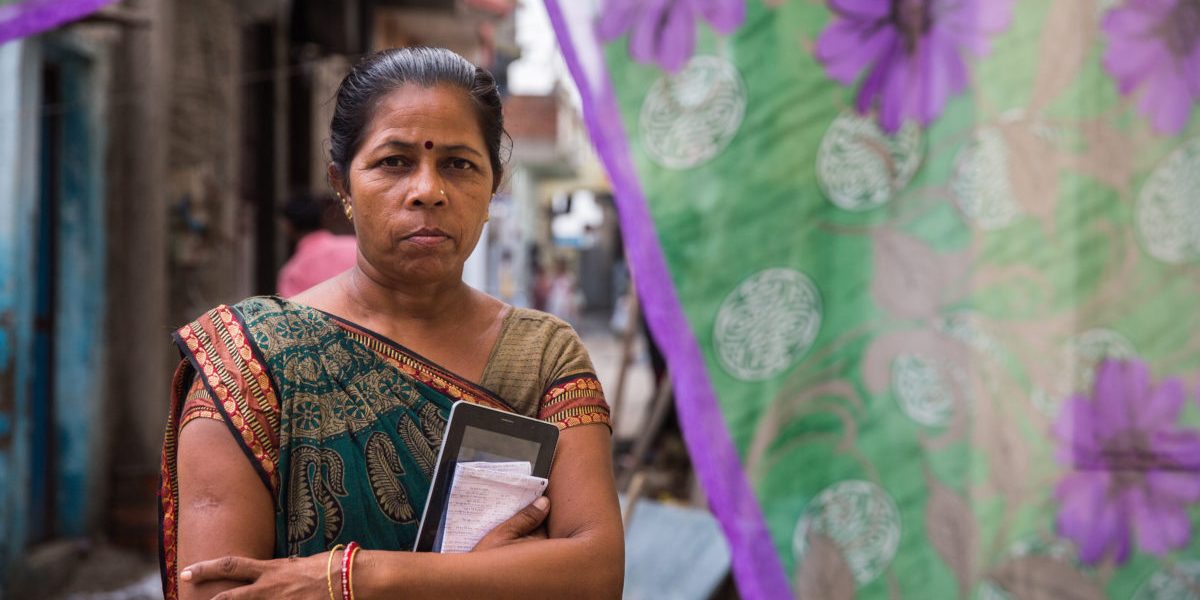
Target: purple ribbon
(32, 17)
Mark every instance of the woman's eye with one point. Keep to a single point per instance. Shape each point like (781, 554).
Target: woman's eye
(460, 163)
(392, 161)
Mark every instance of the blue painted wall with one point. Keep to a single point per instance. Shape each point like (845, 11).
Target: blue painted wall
(17, 198)
(79, 379)
(79, 311)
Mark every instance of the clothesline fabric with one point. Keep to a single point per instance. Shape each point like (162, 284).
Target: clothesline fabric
(925, 274)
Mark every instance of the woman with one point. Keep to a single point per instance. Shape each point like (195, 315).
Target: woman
(336, 399)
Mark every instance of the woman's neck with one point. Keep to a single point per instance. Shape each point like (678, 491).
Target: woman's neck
(429, 303)
(448, 323)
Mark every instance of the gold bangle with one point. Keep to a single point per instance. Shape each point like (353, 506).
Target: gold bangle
(329, 570)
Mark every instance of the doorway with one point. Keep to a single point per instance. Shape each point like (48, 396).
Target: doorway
(67, 256)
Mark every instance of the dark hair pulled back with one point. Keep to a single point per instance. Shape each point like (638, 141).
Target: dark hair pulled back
(379, 74)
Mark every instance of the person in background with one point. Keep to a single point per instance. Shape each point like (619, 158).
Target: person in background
(320, 254)
(507, 284)
(563, 296)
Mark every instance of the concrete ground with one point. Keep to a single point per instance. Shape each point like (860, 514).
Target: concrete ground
(86, 570)
(606, 349)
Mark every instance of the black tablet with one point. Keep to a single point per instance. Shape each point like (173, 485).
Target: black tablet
(477, 433)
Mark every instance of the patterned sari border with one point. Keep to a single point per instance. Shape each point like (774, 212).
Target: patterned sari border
(202, 352)
(570, 401)
(262, 380)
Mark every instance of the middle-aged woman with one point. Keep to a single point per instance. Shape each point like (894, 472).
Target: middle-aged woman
(303, 424)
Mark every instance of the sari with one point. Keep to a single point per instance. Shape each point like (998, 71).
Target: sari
(343, 425)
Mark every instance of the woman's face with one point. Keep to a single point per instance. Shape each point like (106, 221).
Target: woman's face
(420, 185)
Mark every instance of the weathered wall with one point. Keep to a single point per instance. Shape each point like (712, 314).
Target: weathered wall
(208, 260)
(79, 312)
(138, 353)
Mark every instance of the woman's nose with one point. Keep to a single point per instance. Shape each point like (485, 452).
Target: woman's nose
(428, 188)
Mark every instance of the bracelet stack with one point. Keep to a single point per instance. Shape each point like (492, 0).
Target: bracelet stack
(347, 564)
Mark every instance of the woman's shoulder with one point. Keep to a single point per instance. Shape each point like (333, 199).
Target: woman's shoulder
(529, 356)
(543, 365)
(534, 336)
(533, 329)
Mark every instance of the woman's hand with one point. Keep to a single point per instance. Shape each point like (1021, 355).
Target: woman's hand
(523, 526)
(300, 578)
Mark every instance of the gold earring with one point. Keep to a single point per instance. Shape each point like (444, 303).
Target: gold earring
(347, 208)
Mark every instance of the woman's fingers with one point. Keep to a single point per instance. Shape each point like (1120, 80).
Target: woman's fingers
(233, 568)
(525, 522)
(527, 519)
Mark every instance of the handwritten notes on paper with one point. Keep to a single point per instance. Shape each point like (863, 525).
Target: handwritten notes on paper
(484, 495)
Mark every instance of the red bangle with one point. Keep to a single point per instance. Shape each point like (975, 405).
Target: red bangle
(350, 572)
(347, 560)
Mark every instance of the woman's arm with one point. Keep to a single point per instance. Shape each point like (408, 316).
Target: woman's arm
(224, 508)
(584, 556)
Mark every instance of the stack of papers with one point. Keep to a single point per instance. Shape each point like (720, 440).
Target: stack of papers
(484, 495)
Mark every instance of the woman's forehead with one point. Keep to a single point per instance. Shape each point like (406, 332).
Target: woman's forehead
(443, 111)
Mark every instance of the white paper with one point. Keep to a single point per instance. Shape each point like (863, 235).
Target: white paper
(484, 495)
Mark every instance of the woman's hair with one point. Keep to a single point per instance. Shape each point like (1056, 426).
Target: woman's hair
(380, 73)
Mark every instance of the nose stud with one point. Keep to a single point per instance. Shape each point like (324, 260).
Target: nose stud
(443, 192)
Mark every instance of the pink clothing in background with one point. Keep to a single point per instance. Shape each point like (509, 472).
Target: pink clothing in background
(319, 256)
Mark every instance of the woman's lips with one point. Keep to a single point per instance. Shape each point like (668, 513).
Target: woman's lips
(427, 237)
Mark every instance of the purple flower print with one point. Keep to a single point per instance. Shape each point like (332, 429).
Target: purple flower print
(911, 50)
(1132, 466)
(664, 31)
(1154, 45)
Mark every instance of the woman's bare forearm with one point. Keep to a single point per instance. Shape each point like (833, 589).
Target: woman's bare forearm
(590, 565)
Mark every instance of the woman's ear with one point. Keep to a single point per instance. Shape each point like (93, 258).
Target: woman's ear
(337, 182)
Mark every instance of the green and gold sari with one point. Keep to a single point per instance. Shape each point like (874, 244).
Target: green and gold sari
(342, 424)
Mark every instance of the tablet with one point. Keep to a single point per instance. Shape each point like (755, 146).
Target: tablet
(477, 433)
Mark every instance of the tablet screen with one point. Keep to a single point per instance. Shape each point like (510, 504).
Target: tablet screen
(490, 446)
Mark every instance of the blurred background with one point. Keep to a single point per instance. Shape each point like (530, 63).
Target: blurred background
(221, 110)
(926, 270)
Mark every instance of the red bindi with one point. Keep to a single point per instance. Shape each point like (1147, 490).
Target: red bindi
(428, 144)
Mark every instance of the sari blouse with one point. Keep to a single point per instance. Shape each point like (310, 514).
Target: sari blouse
(343, 425)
